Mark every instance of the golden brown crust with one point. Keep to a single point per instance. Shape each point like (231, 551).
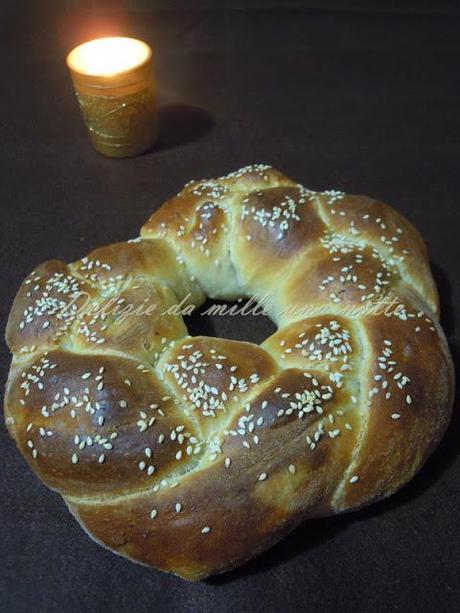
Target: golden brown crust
(86, 423)
(45, 307)
(384, 229)
(112, 266)
(194, 454)
(137, 320)
(408, 393)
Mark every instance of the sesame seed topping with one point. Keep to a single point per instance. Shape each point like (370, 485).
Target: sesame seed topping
(200, 389)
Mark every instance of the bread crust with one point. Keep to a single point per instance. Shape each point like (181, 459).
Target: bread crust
(193, 455)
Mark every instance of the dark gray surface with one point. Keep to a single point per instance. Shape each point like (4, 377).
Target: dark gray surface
(360, 102)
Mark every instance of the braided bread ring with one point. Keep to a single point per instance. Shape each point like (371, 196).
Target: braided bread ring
(195, 454)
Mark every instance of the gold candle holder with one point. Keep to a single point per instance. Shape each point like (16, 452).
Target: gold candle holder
(115, 87)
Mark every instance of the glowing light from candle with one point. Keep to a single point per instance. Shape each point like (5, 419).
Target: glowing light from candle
(108, 56)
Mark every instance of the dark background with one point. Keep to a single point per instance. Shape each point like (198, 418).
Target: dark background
(358, 96)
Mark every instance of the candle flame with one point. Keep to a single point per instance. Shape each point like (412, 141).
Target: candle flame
(108, 56)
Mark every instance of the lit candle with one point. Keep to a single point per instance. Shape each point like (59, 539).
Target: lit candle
(113, 80)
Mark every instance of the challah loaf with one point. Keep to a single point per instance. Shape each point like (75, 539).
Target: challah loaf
(194, 454)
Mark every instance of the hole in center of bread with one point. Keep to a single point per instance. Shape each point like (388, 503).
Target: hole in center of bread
(239, 320)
